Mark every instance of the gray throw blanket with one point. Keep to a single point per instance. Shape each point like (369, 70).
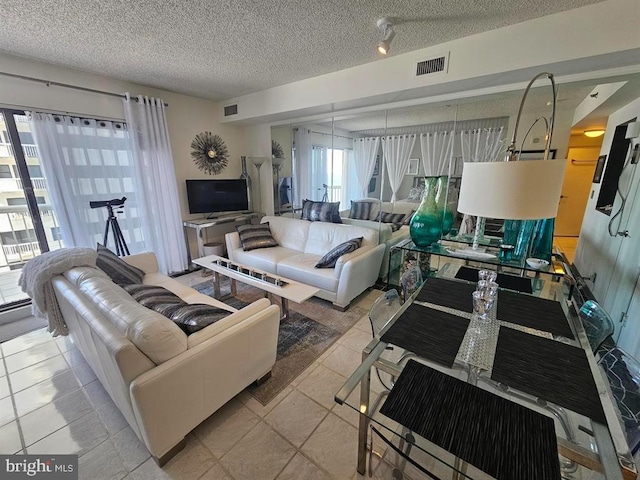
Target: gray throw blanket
(36, 277)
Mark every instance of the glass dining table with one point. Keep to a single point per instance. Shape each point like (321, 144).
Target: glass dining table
(445, 394)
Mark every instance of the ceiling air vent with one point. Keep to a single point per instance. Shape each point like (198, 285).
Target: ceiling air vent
(231, 110)
(433, 65)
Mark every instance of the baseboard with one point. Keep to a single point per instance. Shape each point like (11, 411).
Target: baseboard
(15, 314)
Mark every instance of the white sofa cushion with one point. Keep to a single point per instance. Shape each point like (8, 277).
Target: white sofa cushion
(325, 236)
(156, 336)
(290, 233)
(265, 259)
(301, 268)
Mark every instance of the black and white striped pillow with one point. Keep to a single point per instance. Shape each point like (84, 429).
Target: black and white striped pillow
(196, 316)
(253, 237)
(386, 217)
(361, 210)
(331, 257)
(119, 271)
(189, 317)
(321, 211)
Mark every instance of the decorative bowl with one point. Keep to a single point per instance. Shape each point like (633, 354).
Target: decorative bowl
(537, 263)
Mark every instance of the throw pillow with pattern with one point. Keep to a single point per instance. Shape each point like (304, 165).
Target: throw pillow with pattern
(196, 316)
(331, 257)
(321, 211)
(386, 217)
(253, 237)
(119, 271)
(361, 210)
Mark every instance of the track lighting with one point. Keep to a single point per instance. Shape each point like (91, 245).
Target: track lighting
(385, 24)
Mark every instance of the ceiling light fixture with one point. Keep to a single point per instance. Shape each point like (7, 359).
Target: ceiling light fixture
(594, 133)
(385, 24)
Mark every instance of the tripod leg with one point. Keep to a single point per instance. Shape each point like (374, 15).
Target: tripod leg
(106, 232)
(120, 238)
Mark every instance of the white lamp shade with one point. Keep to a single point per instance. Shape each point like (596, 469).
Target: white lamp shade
(517, 190)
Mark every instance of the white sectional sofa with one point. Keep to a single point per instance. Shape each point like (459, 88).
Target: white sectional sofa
(302, 244)
(164, 382)
(386, 235)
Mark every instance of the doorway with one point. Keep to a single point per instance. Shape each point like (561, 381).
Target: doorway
(28, 225)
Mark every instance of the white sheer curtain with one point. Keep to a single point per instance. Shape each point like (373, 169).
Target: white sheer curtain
(365, 151)
(156, 182)
(480, 145)
(84, 160)
(437, 150)
(397, 150)
(319, 177)
(302, 171)
(350, 183)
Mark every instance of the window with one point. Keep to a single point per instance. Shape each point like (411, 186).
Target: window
(35, 171)
(5, 171)
(18, 236)
(55, 234)
(334, 178)
(23, 201)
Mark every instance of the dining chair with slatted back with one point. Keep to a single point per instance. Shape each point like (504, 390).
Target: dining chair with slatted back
(596, 322)
(623, 374)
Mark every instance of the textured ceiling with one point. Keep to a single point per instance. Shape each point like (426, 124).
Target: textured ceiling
(218, 49)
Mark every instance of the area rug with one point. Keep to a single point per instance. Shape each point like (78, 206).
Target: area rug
(11, 330)
(312, 327)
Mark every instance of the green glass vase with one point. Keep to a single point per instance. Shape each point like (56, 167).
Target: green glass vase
(542, 241)
(442, 199)
(426, 225)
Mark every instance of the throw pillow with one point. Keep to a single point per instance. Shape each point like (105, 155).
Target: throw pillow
(151, 296)
(395, 226)
(321, 211)
(361, 210)
(386, 217)
(407, 219)
(331, 257)
(196, 316)
(253, 237)
(119, 271)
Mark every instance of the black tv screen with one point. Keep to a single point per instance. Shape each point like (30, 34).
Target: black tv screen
(210, 196)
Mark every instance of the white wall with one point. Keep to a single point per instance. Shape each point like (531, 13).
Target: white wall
(615, 260)
(579, 40)
(186, 116)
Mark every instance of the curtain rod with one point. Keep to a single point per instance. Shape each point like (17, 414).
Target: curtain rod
(322, 133)
(49, 83)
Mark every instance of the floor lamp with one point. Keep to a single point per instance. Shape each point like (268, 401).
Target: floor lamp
(515, 189)
(276, 164)
(258, 161)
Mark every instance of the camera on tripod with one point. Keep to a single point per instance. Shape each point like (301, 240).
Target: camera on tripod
(121, 246)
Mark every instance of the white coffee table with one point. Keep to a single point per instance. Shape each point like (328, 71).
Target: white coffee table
(271, 284)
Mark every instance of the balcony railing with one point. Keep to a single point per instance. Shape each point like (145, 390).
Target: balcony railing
(30, 150)
(15, 184)
(15, 222)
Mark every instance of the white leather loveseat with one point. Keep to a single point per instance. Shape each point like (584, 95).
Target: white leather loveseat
(302, 244)
(164, 382)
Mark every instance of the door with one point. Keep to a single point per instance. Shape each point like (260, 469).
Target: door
(28, 225)
(581, 165)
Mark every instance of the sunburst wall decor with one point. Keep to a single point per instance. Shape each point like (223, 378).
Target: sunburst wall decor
(209, 153)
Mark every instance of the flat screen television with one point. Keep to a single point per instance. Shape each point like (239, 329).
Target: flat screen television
(215, 196)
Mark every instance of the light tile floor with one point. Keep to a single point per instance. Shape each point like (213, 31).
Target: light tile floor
(51, 402)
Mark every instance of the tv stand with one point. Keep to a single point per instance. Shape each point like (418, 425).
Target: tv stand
(202, 223)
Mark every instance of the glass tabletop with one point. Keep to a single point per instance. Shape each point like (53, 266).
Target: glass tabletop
(488, 254)
(579, 437)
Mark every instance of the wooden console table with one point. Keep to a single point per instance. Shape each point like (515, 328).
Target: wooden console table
(202, 223)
